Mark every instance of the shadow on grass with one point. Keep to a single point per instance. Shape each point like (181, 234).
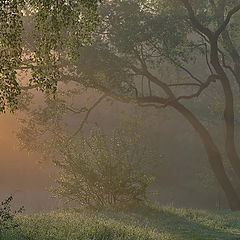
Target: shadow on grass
(181, 224)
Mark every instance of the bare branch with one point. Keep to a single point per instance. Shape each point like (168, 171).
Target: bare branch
(152, 105)
(234, 56)
(184, 84)
(87, 115)
(227, 20)
(152, 78)
(187, 71)
(181, 67)
(82, 110)
(210, 79)
(225, 65)
(207, 60)
(233, 52)
(207, 32)
(153, 101)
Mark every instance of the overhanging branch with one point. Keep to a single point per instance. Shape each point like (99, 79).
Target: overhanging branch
(87, 115)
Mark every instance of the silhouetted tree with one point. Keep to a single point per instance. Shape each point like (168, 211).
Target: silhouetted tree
(134, 44)
(137, 40)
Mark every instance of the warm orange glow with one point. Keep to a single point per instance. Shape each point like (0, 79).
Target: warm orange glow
(20, 173)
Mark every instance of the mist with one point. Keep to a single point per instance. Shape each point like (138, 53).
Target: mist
(119, 119)
(177, 182)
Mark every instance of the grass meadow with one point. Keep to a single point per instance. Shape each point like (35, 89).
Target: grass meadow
(141, 222)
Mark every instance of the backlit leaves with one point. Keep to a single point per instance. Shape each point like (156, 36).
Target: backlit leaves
(58, 27)
(10, 51)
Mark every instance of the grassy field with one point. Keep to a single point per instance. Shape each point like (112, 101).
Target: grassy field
(133, 222)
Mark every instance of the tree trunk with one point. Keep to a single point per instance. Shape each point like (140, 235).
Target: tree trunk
(214, 156)
(213, 38)
(229, 116)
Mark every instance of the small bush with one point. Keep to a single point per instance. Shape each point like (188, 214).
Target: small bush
(7, 215)
(102, 170)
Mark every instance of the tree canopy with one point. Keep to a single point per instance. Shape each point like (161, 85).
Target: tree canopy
(199, 40)
(152, 53)
(35, 35)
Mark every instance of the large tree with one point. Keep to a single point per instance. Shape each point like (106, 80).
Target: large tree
(135, 43)
(137, 40)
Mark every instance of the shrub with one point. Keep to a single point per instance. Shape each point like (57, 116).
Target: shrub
(7, 215)
(101, 170)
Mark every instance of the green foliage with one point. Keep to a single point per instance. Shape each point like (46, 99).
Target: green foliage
(7, 216)
(10, 51)
(153, 32)
(57, 28)
(101, 170)
(133, 34)
(61, 28)
(139, 222)
(129, 29)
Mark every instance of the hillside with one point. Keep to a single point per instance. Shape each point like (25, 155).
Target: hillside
(134, 222)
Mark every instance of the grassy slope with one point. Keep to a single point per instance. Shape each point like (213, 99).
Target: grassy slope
(135, 222)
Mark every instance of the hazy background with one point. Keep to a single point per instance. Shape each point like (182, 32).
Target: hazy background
(177, 179)
(21, 175)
